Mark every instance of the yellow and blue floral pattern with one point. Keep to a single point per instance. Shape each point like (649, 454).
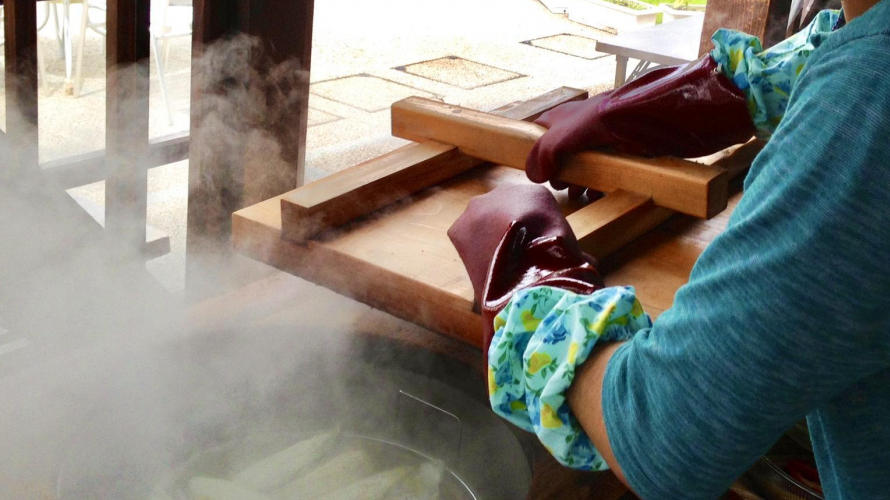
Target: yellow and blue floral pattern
(540, 339)
(767, 77)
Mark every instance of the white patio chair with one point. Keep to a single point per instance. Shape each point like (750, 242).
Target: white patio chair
(63, 35)
(86, 23)
(160, 33)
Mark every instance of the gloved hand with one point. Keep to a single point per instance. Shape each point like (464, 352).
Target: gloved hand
(544, 308)
(516, 237)
(684, 111)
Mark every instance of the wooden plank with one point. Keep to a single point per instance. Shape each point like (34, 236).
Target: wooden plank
(614, 221)
(680, 185)
(765, 19)
(285, 300)
(269, 215)
(126, 119)
(360, 190)
(157, 243)
(365, 188)
(532, 109)
(386, 261)
(401, 260)
(659, 262)
(92, 167)
(20, 28)
(621, 217)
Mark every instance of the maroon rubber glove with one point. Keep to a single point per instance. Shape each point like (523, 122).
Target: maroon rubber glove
(684, 111)
(516, 237)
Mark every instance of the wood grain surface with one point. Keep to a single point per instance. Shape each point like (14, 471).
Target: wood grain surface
(681, 185)
(400, 259)
(339, 198)
(126, 121)
(20, 74)
(765, 19)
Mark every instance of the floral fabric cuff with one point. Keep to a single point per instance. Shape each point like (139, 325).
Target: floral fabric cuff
(541, 337)
(767, 77)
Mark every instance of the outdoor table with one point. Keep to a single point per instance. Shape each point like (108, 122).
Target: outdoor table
(676, 42)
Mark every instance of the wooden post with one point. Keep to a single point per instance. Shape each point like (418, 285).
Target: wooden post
(21, 84)
(286, 31)
(765, 19)
(776, 22)
(805, 11)
(213, 190)
(126, 119)
(248, 116)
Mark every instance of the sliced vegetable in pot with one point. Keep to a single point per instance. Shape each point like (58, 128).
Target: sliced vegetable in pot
(352, 465)
(372, 487)
(277, 470)
(422, 483)
(208, 488)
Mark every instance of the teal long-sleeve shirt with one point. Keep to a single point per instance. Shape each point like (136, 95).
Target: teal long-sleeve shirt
(787, 313)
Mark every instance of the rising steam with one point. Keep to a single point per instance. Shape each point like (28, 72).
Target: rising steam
(112, 387)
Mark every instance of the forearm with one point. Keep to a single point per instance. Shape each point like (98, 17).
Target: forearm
(544, 338)
(585, 398)
(768, 77)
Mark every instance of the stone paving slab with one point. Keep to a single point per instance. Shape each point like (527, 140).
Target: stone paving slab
(459, 72)
(334, 108)
(318, 117)
(366, 92)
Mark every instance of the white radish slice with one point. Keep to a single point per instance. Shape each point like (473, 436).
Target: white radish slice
(208, 488)
(276, 470)
(159, 494)
(371, 488)
(349, 466)
(422, 483)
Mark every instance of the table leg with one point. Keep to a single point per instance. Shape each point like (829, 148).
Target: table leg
(57, 28)
(620, 70)
(66, 35)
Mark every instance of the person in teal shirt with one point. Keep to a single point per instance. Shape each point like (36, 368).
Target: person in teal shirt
(786, 314)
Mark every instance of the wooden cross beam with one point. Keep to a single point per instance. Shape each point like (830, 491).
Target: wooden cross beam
(687, 187)
(355, 192)
(377, 232)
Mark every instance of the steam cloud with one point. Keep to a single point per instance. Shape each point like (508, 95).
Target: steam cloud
(97, 375)
(114, 385)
